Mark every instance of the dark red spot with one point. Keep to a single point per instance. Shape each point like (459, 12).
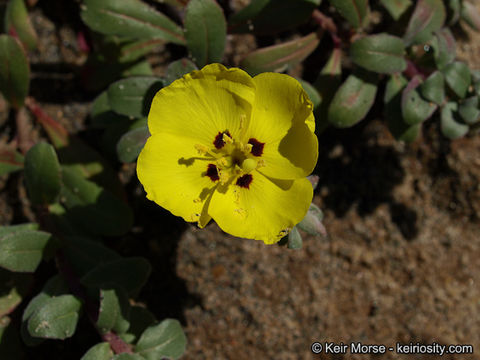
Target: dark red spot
(212, 172)
(218, 142)
(257, 147)
(245, 181)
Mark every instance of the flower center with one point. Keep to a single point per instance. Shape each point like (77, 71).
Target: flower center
(232, 161)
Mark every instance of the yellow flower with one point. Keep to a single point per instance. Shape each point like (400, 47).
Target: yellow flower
(233, 148)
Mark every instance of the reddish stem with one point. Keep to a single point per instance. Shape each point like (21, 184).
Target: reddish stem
(57, 133)
(118, 345)
(327, 24)
(413, 70)
(24, 140)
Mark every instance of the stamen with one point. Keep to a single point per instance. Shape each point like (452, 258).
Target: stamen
(212, 172)
(257, 147)
(219, 141)
(225, 162)
(245, 181)
(202, 149)
(224, 177)
(227, 139)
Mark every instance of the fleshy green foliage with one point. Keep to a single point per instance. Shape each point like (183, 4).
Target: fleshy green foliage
(352, 101)
(272, 16)
(14, 71)
(355, 11)
(17, 22)
(132, 19)
(205, 31)
(42, 174)
(380, 53)
(279, 57)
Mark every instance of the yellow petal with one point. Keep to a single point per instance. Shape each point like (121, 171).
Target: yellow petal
(203, 103)
(282, 119)
(266, 211)
(174, 176)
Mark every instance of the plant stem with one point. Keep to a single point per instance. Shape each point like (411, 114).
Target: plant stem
(23, 132)
(327, 24)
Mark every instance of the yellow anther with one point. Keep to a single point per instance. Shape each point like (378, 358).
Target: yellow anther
(225, 162)
(227, 139)
(248, 165)
(224, 176)
(202, 149)
(260, 163)
(247, 148)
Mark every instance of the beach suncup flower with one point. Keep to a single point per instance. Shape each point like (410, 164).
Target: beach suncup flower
(234, 148)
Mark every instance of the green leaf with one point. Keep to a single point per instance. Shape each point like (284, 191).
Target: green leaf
(13, 229)
(131, 143)
(468, 110)
(312, 93)
(13, 288)
(126, 356)
(352, 101)
(312, 222)
(205, 31)
(428, 17)
(10, 345)
(133, 96)
(295, 241)
(444, 48)
(102, 114)
(327, 84)
(396, 8)
(414, 109)
(93, 207)
(163, 340)
(458, 78)
(83, 254)
(54, 287)
(393, 110)
(393, 91)
(470, 15)
(18, 23)
(402, 131)
(433, 88)
(100, 351)
(455, 10)
(132, 19)
(14, 71)
(177, 69)
(355, 11)
(56, 319)
(114, 311)
(140, 319)
(266, 17)
(22, 250)
(42, 174)
(279, 57)
(129, 274)
(118, 49)
(449, 125)
(10, 160)
(381, 53)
